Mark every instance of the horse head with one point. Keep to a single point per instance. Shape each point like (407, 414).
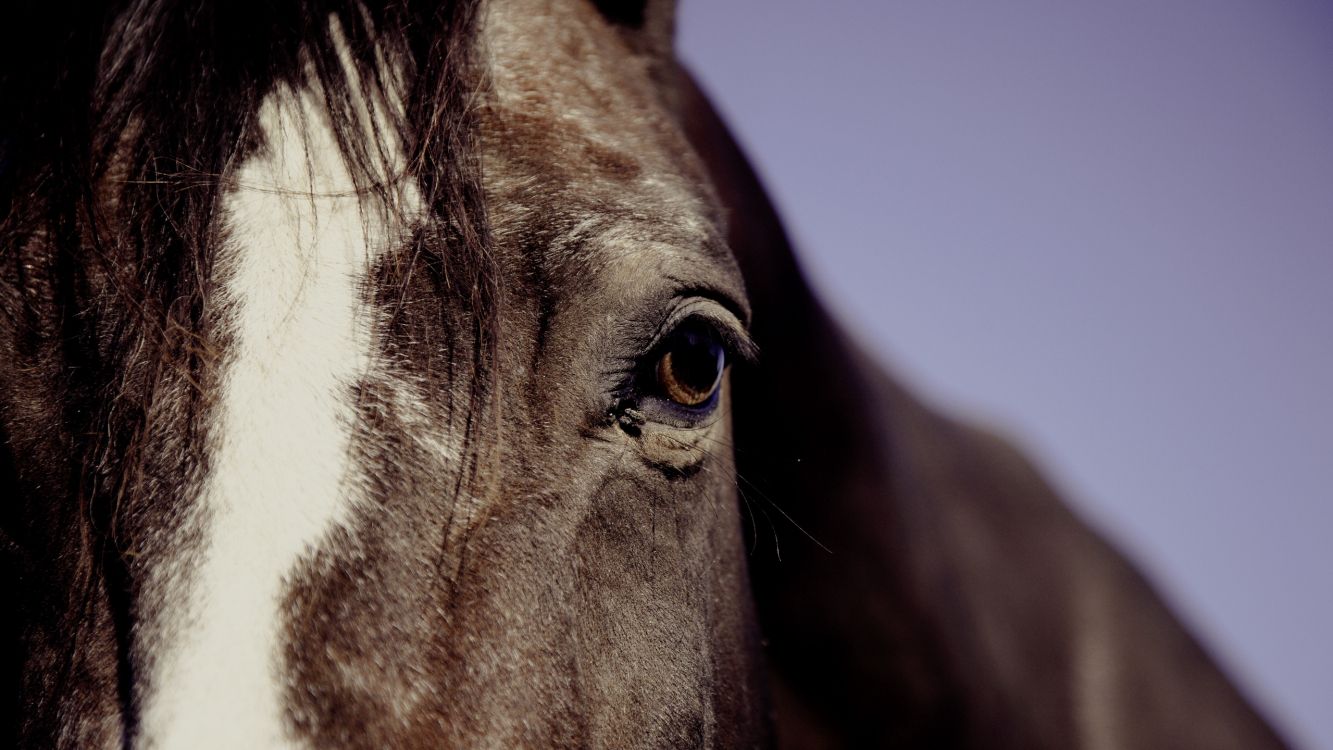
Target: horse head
(398, 375)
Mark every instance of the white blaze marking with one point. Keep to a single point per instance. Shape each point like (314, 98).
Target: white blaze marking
(293, 273)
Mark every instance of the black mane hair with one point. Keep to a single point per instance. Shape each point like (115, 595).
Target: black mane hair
(156, 99)
(120, 125)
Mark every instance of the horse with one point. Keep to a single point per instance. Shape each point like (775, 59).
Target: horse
(406, 374)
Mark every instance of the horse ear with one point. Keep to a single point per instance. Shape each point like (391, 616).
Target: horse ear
(916, 581)
(631, 14)
(649, 29)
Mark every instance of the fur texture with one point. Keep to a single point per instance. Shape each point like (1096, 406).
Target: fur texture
(329, 419)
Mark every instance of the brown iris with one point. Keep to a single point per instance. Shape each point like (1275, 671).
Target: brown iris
(690, 369)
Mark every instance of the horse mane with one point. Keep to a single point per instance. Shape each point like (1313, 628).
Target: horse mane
(165, 92)
(122, 122)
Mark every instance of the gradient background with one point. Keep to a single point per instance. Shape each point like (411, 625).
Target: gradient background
(1107, 227)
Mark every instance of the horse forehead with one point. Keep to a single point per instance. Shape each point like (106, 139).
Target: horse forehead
(301, 242)
(557, 71)
(576, 135)
(549, 53)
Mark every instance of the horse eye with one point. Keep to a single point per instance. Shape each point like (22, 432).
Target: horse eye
(690, 367)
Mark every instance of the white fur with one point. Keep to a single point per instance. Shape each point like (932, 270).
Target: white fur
(293, 276)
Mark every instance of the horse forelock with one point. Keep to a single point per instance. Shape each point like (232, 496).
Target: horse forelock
(260, 173)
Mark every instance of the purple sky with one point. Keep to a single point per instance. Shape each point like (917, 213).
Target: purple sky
(1108, 227)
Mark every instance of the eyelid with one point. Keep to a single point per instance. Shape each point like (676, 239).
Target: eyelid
(734, 337)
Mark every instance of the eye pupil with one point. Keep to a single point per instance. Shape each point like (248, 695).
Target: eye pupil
(691, 368)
